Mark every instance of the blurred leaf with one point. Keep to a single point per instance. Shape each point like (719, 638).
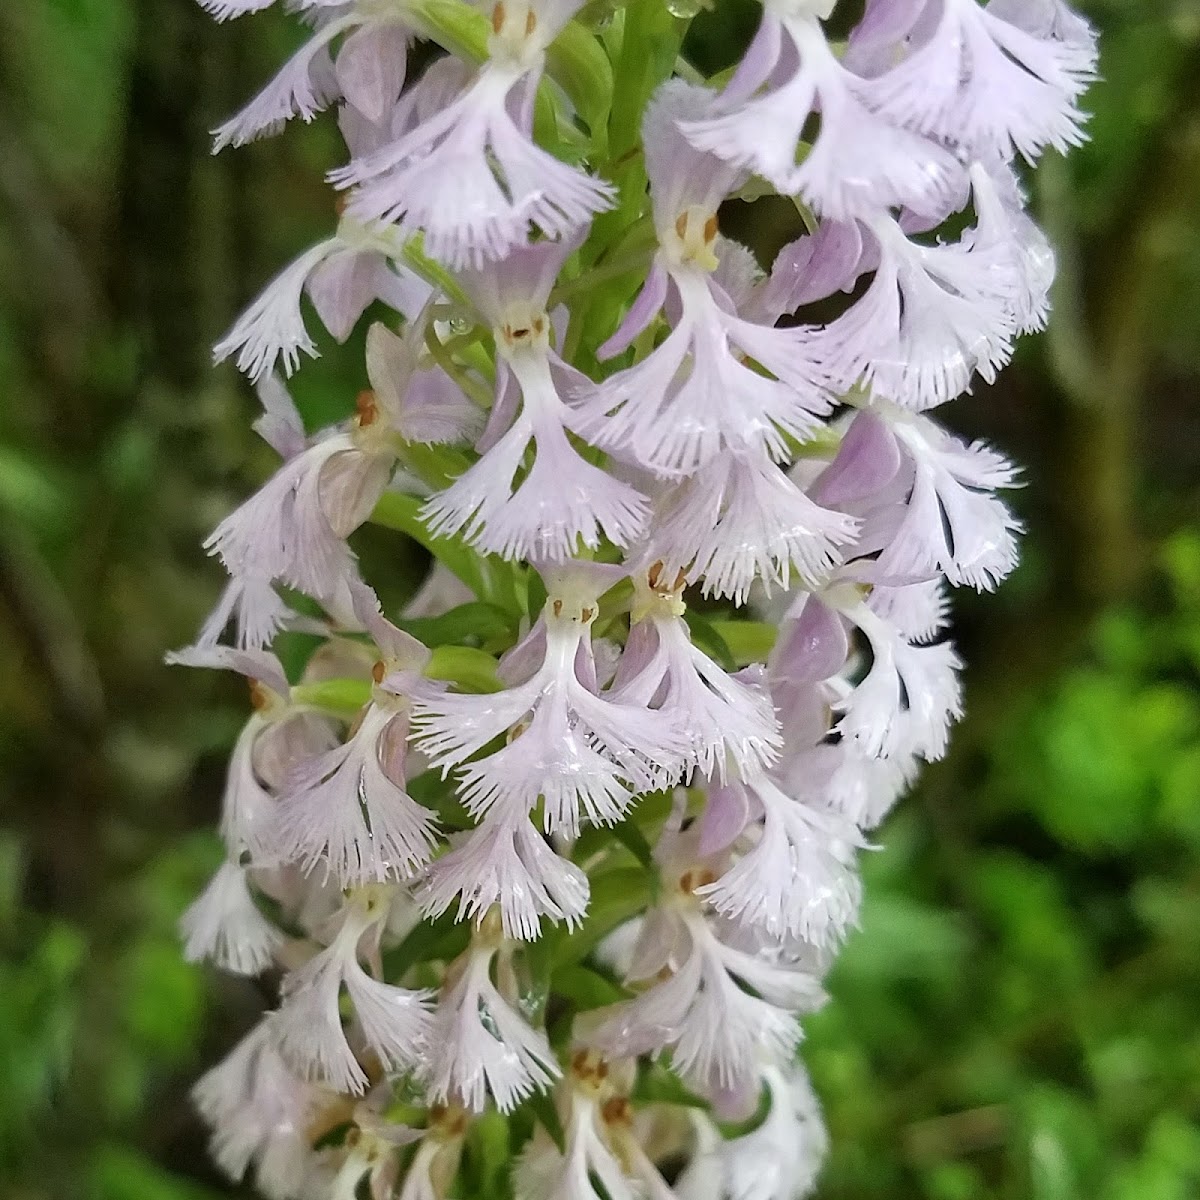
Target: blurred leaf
(656, 1084)
(616, 897)
(39, 494)
(468, 623)
(585, 988)
(163, 998)
(119, 1173)
(39, 1000)
(900, 938)
(1025, 906)
(1061, 1142)
(492, 579)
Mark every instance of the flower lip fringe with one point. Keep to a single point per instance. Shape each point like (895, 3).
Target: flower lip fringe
(569, 841)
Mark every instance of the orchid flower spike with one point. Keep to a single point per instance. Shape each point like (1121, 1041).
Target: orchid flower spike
(584, 810)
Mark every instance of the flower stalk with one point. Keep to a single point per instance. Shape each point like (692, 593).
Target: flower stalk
(583, 813)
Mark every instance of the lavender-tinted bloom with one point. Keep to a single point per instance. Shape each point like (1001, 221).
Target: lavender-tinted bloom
(343, 275)
(858, 163)
(728, 721)
(777, 1161)
(469, 176)
(544, 1170)
(308, 1026)
(225, 926)
(258, 1110)
(993, 79)
(696, 393)
(932, 317)
(563, 502)
(480, 1044)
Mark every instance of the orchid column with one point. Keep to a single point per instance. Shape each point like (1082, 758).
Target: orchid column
(546, 865)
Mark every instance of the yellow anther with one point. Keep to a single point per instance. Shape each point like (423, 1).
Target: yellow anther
(260, 696)
(695, 234)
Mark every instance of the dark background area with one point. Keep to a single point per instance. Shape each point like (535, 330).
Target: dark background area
(1020, 1014)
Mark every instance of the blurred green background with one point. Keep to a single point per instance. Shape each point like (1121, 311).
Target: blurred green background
(1020, 1015)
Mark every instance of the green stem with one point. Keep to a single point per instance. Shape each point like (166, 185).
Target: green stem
(748, 641)
(624, 264)
(479, 394)
(470, 669)
(341, 697)
(432, 272)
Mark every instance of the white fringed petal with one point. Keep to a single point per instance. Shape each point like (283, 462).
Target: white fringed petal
(932, 318)
(562, 503)
(506, 862)
(716, 1031)
(953, 523)
(226, 10)
(258, 1111)
(1002, 219)
(780, 1160)
(471, 180)
(984, 82)
(858, 164)
(225, 926)
(908, 697)
(308, 1024)
(587, 755)
(395, 1022)
(272, 328)
(308, 1027)
(343, 812)
(798, 878)
(293, 528)
(480, 1046)
(544, 1171)
(740, 520)
(696, 394)
(728, 721)
(306, 86)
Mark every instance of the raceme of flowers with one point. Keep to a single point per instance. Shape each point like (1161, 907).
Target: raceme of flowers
(546, 864)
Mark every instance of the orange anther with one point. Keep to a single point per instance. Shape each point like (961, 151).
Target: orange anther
(367, 408)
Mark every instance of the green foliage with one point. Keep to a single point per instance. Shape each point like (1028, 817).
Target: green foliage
(1016, 1017)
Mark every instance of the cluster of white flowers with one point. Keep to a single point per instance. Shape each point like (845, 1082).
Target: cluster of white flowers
(576, 839)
